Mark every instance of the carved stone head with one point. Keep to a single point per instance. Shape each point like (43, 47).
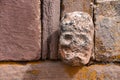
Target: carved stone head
(76, 39)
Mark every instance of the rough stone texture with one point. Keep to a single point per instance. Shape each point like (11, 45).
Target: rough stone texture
(57, 71)
(99, 72)
(100, 1)
(50, 20)
(20, 30)
(76, 5)
(76, 40)
(107, 32)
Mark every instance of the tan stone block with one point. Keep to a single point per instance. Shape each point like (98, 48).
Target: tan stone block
(107, 31)
(57, 71)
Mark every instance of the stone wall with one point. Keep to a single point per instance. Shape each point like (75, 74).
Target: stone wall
(30, 31)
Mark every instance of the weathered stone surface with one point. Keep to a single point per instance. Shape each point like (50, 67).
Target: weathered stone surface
(76, 5)
(57, 71)
(107, 32)
(76, 40)
(50, 20)
(35, 71)
(99, 72)
(100, 1)
(20, 30)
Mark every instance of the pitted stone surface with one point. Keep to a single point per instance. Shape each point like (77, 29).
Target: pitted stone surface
(20, 30)
(107, 32)
(76, 40)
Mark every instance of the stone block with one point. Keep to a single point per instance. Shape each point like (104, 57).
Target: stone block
(107, 31)
(50, 21)
(76, 5)
(99, 72)
(57, 71)
(20, 30)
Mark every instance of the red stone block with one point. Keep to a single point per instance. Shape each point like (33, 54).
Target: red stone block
(20, 30)
(50, 21)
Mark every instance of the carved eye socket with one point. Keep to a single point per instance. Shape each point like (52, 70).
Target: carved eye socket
(68, 37)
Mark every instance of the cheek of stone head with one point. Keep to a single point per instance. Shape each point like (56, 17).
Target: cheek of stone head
(76, 39)
(84, 40)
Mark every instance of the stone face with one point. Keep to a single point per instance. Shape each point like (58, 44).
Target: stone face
(76, 39)
(49, 71)
(20, 30)
(107, 32)
(76, 5)
(50, 21)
